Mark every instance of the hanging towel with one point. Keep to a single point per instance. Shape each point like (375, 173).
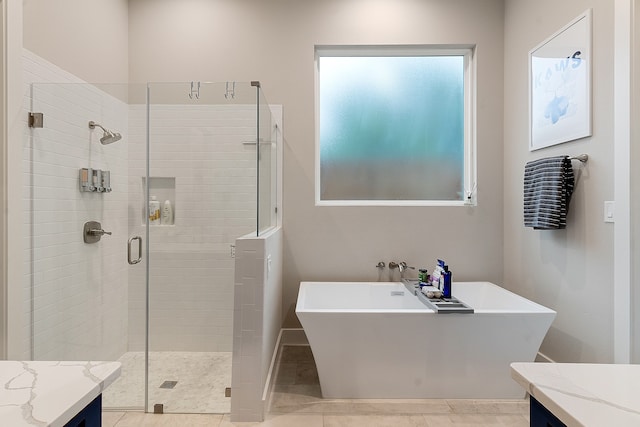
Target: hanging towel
(548, 185)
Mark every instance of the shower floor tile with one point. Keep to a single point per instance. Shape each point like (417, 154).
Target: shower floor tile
(201, 379)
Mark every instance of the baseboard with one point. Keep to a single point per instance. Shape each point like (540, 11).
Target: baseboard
(543, 358)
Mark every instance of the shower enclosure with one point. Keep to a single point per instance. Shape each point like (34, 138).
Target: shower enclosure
(153, 293)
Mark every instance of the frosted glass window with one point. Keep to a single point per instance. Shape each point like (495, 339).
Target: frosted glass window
(392, 128)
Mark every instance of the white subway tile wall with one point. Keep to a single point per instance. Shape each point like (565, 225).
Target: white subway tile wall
(248, 331)
(75, 293)
(257, 320)
(191, 268)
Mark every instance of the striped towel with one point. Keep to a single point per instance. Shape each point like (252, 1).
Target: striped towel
(548, 185)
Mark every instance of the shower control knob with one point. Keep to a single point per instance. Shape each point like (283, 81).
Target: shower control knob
(92, 232)
(98, 232)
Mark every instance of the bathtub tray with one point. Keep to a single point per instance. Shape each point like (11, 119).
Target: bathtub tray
(439, 305)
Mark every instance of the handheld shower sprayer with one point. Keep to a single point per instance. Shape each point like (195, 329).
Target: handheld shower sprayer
(108, 136)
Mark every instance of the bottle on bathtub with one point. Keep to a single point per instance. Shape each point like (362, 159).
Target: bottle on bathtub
(446, 288)
(423, 278)
(436, 276)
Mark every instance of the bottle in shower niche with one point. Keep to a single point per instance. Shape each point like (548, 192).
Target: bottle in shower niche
(154, 211)
(167, 213)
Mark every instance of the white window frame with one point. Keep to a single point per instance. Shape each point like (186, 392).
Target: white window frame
(470, 158)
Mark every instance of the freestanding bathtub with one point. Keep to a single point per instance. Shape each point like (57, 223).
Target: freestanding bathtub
(377, 340)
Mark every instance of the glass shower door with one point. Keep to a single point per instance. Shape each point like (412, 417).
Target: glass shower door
(203, 171)
(77, 200)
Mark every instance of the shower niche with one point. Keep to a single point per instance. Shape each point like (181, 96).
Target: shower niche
(161, 190)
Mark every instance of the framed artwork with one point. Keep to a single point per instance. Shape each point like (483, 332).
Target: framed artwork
(560, 86)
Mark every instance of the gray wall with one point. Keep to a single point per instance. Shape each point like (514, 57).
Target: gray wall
(88, 38)
(273, 41)
(568, 270)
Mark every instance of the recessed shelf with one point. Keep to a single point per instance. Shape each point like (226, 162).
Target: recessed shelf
(163, 188)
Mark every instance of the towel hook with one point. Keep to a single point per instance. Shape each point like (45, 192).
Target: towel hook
(230, 90)
(195, 90)
(581, 158)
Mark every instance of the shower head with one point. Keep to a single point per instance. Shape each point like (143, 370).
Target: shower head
(108, 137)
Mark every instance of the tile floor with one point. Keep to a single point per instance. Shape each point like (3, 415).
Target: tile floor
(201, 379)
(296, 402)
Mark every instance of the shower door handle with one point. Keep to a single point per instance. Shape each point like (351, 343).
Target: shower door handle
(137, 260)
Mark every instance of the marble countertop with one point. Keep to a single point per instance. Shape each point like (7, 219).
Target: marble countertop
(50, 393)
(582, 394)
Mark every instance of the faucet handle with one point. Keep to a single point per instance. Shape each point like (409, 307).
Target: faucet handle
(380, 265)
(92, 232)
(98, 232)
(393, 265)
(405, 266)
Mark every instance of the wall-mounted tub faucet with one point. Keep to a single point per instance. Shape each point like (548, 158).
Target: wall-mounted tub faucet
(392, 266)
(380, 266)
(402, 267)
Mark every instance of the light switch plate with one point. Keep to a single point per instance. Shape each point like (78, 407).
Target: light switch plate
(609, 211)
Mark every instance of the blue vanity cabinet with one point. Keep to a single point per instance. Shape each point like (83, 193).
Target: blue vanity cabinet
(541, 416)
(90, 416)
(586, 394)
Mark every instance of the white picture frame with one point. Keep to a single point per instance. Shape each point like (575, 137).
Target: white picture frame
(560, 86)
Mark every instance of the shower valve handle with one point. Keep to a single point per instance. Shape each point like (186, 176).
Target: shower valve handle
(98, 232)
(92, 232)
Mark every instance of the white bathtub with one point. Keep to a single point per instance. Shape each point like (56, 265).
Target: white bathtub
(377, 340)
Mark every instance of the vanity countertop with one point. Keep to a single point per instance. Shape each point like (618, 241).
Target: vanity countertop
(50, 393)
(582, 394)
